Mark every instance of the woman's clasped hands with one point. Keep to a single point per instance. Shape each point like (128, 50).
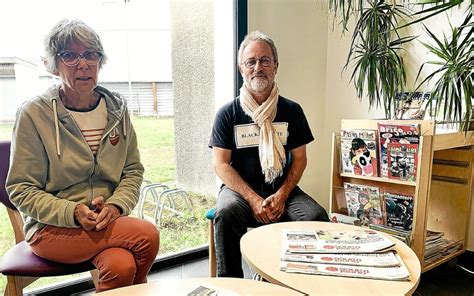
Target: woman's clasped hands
(98, 217)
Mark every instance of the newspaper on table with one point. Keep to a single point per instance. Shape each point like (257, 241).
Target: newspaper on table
(387, 259)
(333, 241)
(203, 291)
(397, 273)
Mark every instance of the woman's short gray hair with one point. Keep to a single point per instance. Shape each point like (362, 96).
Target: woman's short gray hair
(257, 36)
(65, 32)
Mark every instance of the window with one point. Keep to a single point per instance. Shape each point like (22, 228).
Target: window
(173, 65)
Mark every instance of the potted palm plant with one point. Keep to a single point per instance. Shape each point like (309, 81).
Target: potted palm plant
(375, 52)
(453, 79)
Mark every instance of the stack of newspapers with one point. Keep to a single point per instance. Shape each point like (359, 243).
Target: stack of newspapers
(437, 247)
(360, 253)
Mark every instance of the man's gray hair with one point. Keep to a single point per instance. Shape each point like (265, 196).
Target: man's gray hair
(257, 36)
(63, 34)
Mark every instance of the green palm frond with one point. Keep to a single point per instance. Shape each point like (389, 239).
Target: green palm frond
(344, 10)
(453, 80)
(378, 67)
(378, 70)
(438, 7)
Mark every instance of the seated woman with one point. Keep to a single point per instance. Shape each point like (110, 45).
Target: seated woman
(75, 170)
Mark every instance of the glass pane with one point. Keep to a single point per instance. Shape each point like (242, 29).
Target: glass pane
(136, 35)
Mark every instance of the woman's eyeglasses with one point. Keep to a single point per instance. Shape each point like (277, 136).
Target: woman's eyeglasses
(72, 58)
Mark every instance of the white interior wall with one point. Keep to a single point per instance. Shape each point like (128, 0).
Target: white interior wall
(300, 35)
(311, 58)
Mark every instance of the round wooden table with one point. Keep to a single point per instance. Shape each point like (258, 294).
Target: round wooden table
(261, 248)
(224, 286)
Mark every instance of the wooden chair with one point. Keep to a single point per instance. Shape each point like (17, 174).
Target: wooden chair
(20, 264)
(210, 215)
(212, 248)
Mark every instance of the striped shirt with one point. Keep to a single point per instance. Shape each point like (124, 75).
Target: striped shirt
(92, 124)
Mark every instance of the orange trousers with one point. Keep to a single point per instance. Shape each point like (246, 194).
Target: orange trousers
(123, 252)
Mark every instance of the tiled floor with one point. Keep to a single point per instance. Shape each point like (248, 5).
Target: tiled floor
(445, 280)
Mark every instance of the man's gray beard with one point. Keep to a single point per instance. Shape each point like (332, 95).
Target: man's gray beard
(258, 84)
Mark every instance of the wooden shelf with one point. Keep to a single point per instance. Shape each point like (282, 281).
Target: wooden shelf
(442, 190)
(453, 140)
(442, 260)
(379, 179)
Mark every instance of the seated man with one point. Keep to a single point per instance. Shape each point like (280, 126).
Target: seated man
(259, 148)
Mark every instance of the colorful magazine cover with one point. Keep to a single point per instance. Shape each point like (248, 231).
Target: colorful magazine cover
(363, 203)
(359, 152)
(398, 209)
(402, 161)
(395, 133)
(412, 105)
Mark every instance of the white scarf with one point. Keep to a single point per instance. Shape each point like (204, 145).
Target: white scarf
(270, 148)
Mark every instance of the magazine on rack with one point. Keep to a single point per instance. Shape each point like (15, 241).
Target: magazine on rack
(398, 273)
(398, 208)
(401, 234)
(325, 241)
(359, 152)
(363, 203)
(387, 259)
(341, 218)
(402, 161)
(412, 105)
(395, 133)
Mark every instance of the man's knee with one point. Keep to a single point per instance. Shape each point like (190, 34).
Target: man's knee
(304, 207)
(230, 206)
(314, 211)
(319, 214)
(225, 213)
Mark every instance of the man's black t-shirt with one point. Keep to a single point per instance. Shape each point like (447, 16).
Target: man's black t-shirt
(236, 131)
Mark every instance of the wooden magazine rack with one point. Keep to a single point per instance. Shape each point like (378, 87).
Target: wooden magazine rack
(442, 188)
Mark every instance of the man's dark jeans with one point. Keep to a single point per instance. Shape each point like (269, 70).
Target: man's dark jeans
(234, 216)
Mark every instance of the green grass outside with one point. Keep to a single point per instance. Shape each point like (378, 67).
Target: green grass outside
(6, 131)
(177, 232)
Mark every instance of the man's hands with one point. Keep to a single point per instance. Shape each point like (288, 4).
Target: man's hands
(258, 211)
(269, 209)
(274, 206)
(98, 217)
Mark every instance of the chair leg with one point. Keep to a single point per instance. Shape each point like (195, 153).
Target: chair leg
(15, 285)
(95, 277)
(212, 251)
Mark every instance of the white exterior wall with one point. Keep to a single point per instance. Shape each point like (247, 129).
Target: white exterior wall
(14, 90)
(7, 92)
(192, 34)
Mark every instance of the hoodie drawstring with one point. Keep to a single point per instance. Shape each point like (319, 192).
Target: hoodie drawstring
(56, 125)
(124, 126)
